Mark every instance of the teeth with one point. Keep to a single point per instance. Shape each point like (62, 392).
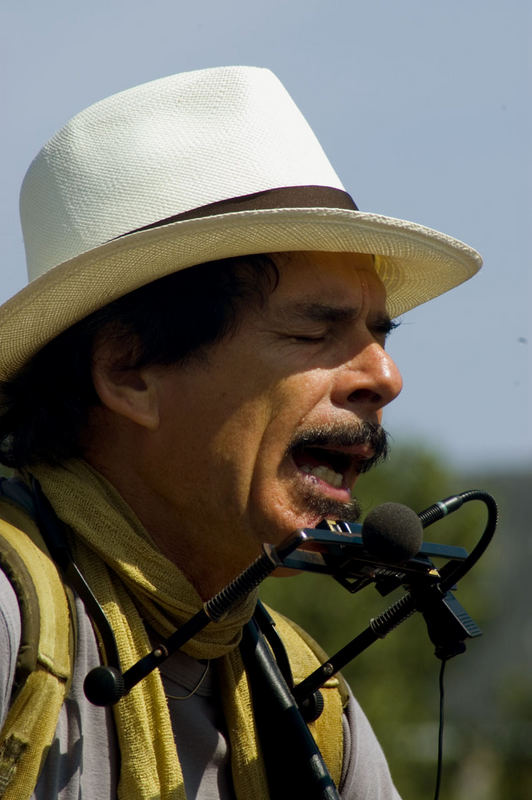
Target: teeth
(326, 474)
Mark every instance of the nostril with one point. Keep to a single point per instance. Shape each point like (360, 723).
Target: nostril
(364, 396)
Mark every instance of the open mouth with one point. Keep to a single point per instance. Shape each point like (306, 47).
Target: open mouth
(334, 467)
(330, 458)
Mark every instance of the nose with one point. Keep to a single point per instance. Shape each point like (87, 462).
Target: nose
(369, 381)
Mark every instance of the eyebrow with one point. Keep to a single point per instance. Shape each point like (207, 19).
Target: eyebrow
(321, 312)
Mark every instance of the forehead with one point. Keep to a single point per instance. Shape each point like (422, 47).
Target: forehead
(328, 276)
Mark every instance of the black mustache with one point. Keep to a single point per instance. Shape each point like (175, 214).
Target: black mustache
(337, 435)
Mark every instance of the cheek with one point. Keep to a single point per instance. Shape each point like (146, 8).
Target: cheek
(235, 447)
(298, 402)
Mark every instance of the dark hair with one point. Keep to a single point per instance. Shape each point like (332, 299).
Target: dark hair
(45, 407)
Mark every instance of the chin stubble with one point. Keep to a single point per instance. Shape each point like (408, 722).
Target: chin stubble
(331, 509)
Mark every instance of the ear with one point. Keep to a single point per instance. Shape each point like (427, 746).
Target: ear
(130, 392)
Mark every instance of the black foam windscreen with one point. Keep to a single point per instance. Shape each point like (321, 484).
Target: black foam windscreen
(392, 532)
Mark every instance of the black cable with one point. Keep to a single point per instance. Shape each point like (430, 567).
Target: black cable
(294, 764)
(440, 731)
(452, 572)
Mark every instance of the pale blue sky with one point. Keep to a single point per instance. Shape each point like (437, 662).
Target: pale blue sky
(424, 110)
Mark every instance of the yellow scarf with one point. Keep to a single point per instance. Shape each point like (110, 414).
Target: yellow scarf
(111, 542)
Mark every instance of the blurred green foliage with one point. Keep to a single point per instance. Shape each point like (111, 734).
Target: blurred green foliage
(396, 680)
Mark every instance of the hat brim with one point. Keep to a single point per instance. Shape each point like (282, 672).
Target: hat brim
(415, 264)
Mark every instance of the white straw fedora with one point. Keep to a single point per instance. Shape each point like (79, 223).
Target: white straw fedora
(192, 168)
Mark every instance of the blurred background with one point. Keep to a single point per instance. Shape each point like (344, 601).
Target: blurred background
(424, 111)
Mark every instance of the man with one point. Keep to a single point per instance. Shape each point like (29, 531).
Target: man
(196, 368)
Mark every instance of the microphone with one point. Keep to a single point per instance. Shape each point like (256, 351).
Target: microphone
(386, 549)
(392, 532)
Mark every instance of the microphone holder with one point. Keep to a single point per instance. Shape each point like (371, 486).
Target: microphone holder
(348, 562)
(448, 623)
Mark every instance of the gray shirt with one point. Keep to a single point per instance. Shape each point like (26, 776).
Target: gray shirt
(83, 762)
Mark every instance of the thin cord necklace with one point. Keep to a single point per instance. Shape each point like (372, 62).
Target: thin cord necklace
(195, 689)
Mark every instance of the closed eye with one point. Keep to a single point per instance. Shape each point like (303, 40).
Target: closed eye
(309, 339)
(381, 329)
(323, 321)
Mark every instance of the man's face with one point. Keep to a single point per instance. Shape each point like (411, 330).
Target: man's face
(263, 436)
